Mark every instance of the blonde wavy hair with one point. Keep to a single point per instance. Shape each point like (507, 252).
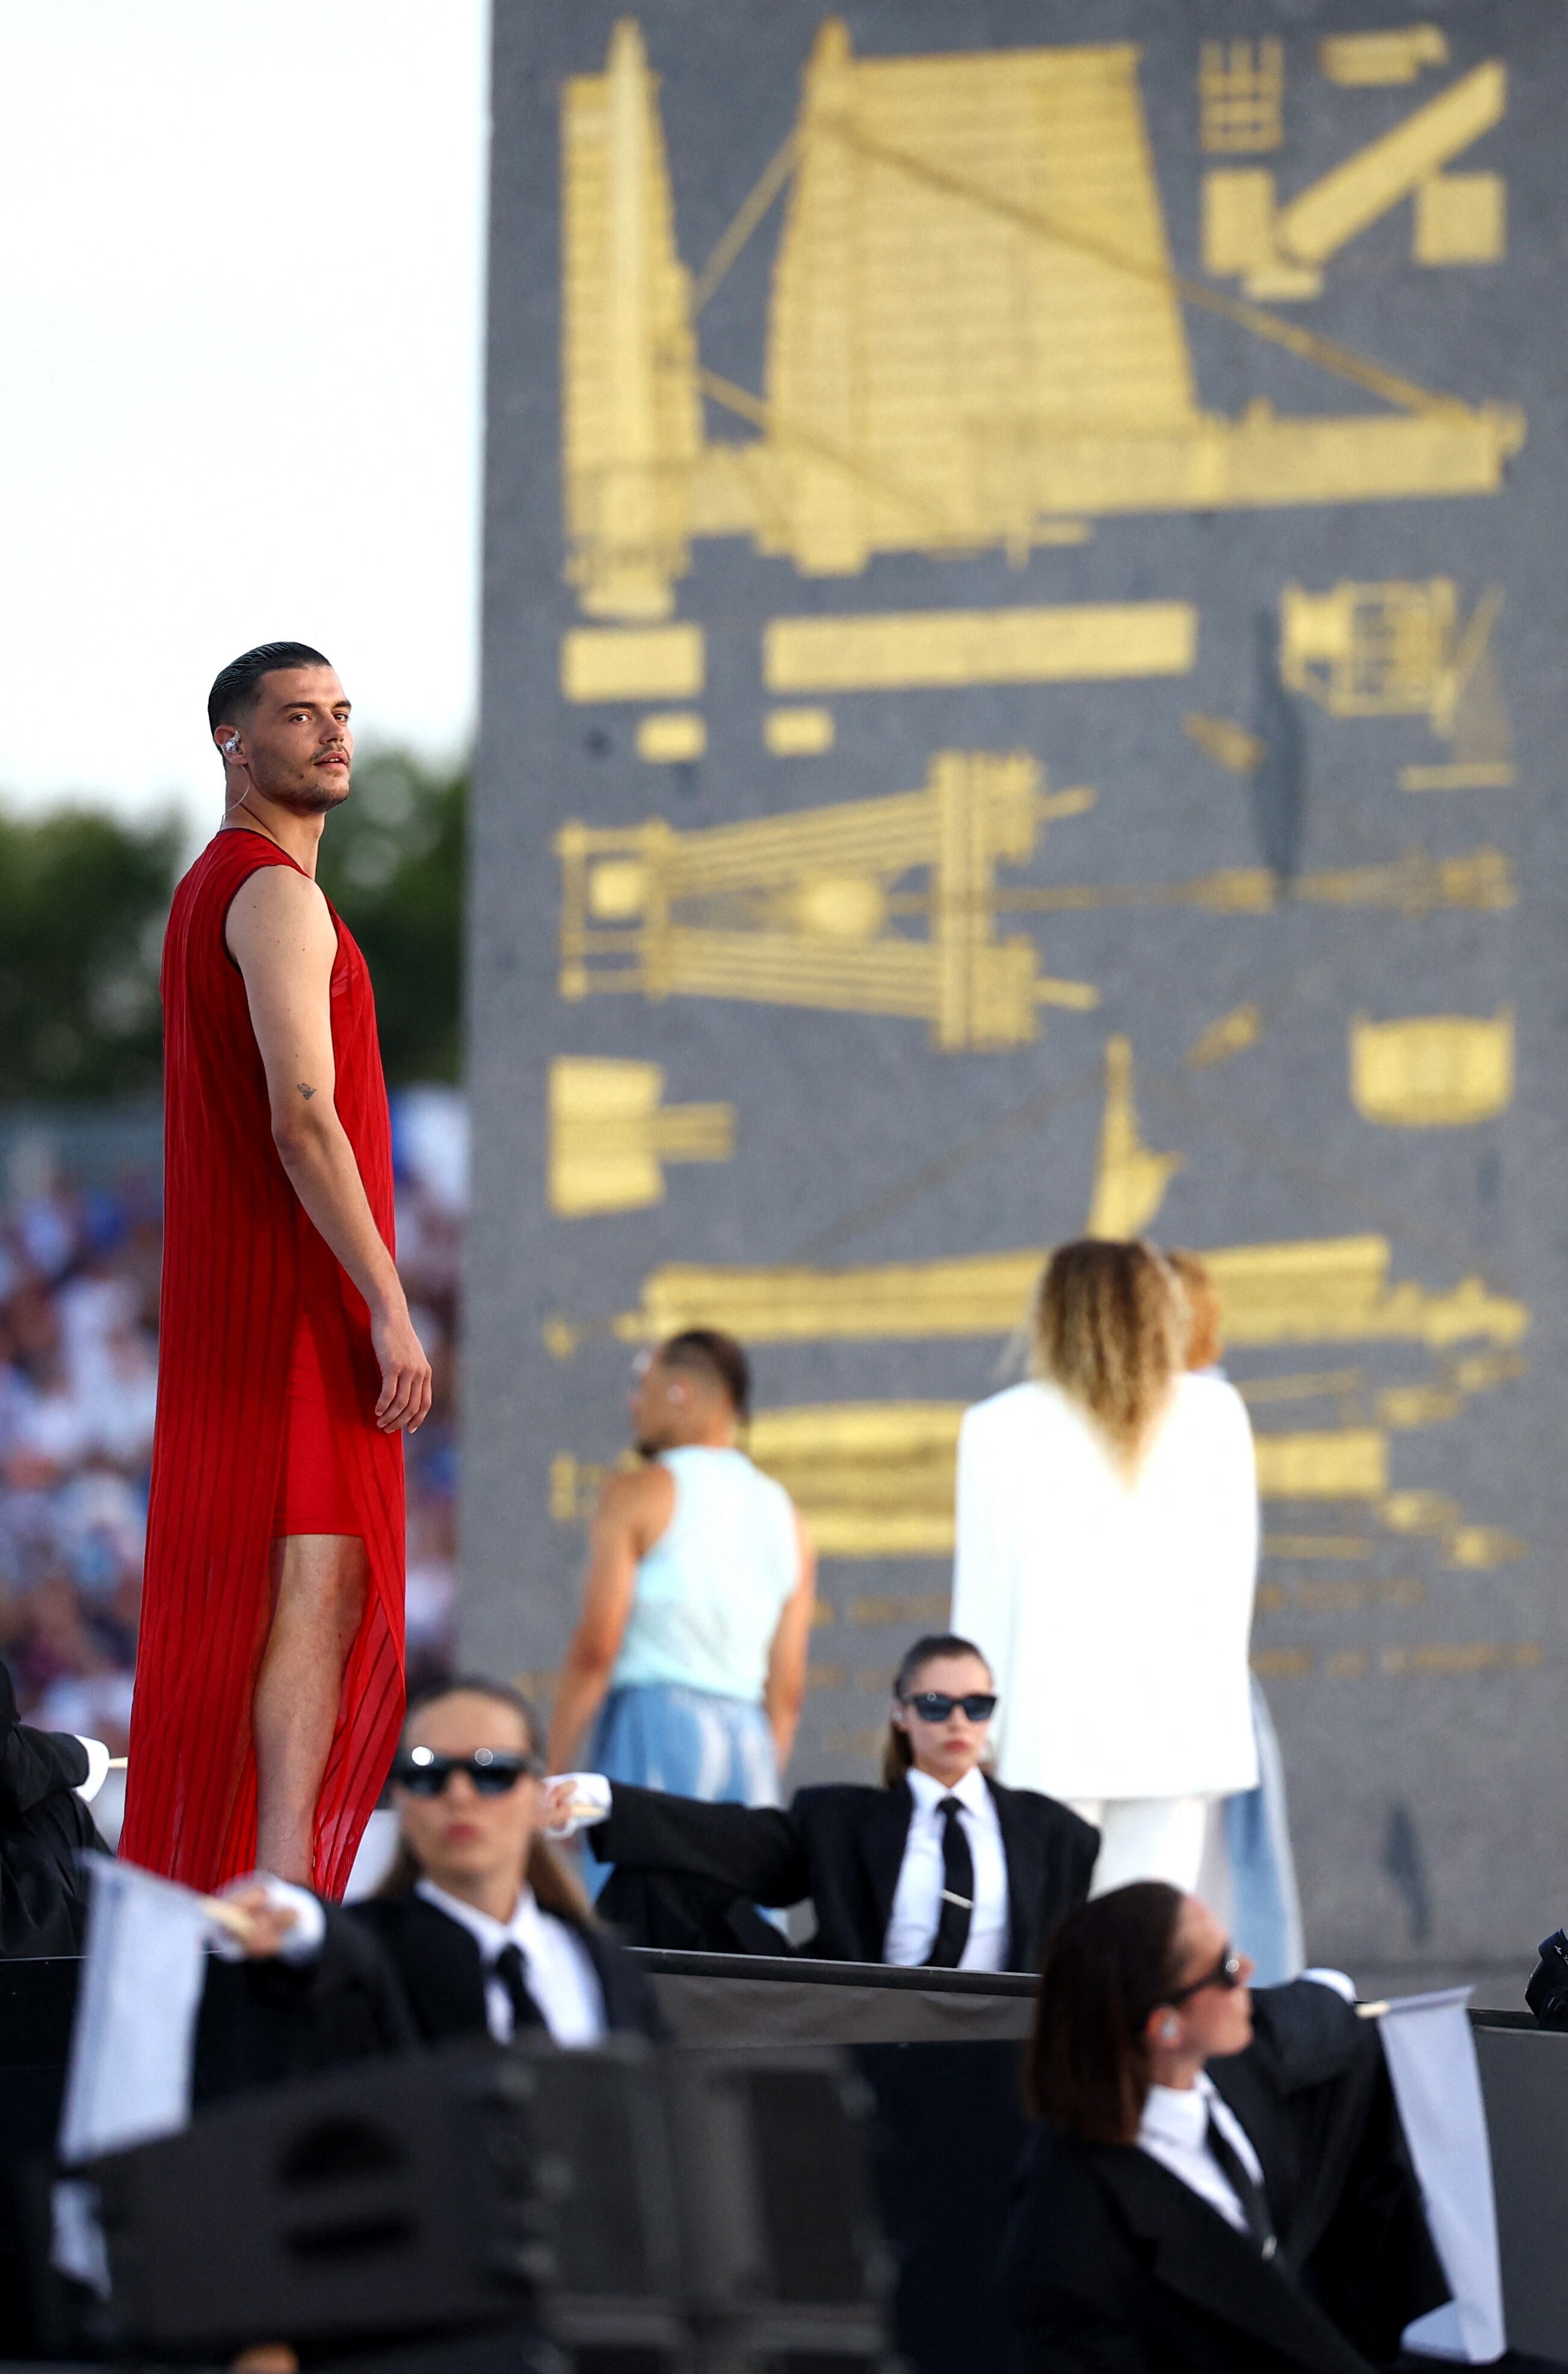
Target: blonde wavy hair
(1205, 1339)
(1110, 1330)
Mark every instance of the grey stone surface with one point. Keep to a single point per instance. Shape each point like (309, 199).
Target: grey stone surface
(1427, 1802)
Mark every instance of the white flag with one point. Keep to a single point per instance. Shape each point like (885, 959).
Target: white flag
(133, 2038)
(1432, 2060)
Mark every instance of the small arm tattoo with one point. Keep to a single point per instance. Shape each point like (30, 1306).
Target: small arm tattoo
(305, 1089)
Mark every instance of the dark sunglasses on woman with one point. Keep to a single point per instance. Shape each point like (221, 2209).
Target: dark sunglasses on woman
(493, 1771)
(935, 1706)
(1226, 1973)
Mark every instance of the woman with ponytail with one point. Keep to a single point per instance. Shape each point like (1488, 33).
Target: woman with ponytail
(941, 1867)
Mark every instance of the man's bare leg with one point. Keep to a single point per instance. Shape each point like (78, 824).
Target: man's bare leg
(318, 1599)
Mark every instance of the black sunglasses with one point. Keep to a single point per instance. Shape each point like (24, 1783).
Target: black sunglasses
(935, 1706)
(493, 1771)
(1226, 1973)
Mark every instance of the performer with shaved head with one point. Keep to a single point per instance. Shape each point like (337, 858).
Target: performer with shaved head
(269, 1678)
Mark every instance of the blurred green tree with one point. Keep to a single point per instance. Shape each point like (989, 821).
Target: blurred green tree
(392, 863)
(83, 896)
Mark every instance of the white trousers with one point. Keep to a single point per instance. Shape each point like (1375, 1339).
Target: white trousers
(1146, 1838)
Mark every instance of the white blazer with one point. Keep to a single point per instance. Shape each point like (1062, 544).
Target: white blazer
(1115, 1616)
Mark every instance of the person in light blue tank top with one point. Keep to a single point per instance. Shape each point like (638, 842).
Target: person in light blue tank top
(689, 1658)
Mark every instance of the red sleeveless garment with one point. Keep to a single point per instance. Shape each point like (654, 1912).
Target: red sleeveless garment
(240, 1257)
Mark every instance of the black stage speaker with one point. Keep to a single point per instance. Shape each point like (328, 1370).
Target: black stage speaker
(785, 2265)
(391, 2199)
(669, 2213)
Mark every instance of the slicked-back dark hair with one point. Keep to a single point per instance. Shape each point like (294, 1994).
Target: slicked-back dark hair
(898, 1755)
(233, 694)
(708, 1352)
(1109, 1965)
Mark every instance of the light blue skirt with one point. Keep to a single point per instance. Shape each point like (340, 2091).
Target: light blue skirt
(1266, 1916)
(690, 1742)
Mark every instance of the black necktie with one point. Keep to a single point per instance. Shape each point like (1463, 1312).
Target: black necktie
(957, 1891)
(1247, 2191)
(512, 1971)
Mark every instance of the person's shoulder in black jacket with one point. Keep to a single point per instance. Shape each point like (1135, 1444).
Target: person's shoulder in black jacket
(1112, 2266)
(1547, 1993)
(44, 1831)
(435, 1965)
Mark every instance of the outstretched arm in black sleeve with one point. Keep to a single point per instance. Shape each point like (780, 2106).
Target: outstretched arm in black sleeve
(756, 1852)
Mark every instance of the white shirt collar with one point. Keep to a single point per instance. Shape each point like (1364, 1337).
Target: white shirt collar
(490, 1935)
(1179, 2115)
(928, 1793)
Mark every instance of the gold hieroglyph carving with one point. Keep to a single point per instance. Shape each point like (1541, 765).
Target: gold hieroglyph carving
(1228, 744)
(633, 662)
(611, 1135)
(1437, 1071)
(1129, 1180)
(876, 1480)
(631, 421)
(1241, 89)
(1075, 643)
(1349, 1464)
(806, 909)
(1399, 650)
(1333, 1291)
(670, 736)
(1231, 1034)
(1279, 251)
(814, 909)
(1462, 218)
(798, 733)
(1367, 60)
(999, 206)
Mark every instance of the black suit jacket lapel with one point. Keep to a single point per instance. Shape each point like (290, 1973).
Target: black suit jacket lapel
(1023, 1850)
(630, 2006)
(442, 1970)
(1194, 2253)
(883, 1836)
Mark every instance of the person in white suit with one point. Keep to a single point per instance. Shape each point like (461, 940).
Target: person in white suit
(1106, 1554)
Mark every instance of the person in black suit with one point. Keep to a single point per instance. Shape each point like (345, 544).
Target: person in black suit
(1547, 1993)
(1220, 2184)
(477, 1929)
(45, 1829)
(941, 1867)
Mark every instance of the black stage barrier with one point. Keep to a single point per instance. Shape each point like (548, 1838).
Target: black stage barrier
(940, 2052)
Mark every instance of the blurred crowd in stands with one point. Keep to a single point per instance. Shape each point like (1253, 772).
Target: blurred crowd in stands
(79, 1262)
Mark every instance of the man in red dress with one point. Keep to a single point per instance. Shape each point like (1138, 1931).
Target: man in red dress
(269, 1677)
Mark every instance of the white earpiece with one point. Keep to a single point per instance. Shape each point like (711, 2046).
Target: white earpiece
(231, 746)
(1170, 2029)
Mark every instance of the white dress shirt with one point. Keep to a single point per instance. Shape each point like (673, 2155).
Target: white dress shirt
(917, 1900)
(1173, 2131)
(557, 1971)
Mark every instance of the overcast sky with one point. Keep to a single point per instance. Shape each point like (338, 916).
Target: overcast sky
(241, 273)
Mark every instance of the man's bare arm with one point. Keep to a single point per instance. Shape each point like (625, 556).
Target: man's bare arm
(785, 1693)
(281, 936)
(633, 1511)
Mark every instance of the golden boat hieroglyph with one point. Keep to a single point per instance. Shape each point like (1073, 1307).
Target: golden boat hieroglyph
(1003, 206)
(893, 905)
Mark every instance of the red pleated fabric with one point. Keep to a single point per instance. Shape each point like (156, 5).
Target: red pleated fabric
(240, 1257)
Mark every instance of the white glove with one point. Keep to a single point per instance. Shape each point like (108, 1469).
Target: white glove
(1335, 1978)
(574, 1800)
(98, 1768)
(302, 1942)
